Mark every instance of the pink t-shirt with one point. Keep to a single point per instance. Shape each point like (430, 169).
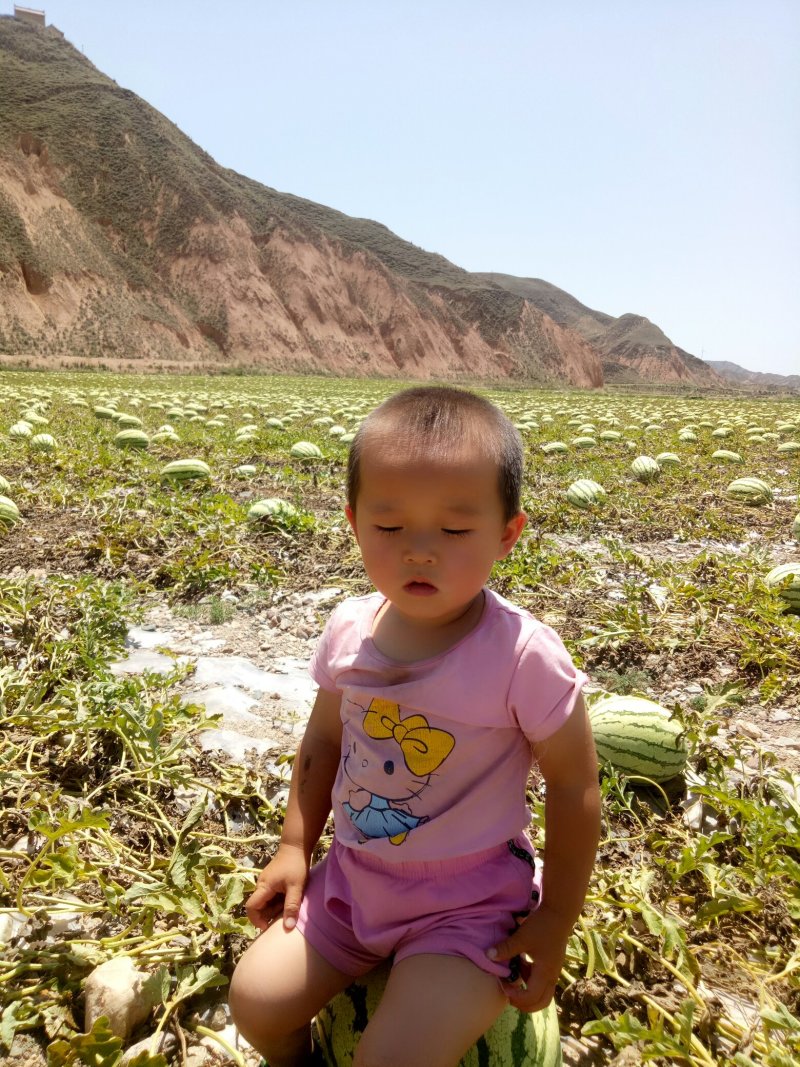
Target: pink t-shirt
(436, 754)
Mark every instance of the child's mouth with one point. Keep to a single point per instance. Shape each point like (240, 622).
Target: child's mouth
(417, 588)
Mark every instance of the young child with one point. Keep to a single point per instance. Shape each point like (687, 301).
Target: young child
(434, 694)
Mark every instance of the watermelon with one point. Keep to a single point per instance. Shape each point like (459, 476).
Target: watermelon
(21, 429)
(668, 459)
(585, 493)
(789, 446)
(9, 512)
(43, 442)
(645, 469)
(786, 580)
(750, 491)
(554, 448)
(638, 737)
(132, 438)
(796, 527)
(724, 455)
(517, 1039)
(273, 510)
(584, 442)
(184, 470)
(5, 485)
(305, 450)
(245, 470)
(129, 422)
(104, 413)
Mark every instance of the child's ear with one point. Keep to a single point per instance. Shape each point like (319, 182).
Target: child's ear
(351, 518)
(511, 533)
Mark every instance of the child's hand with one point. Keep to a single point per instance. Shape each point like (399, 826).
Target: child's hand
(279, 889)
(543, 938)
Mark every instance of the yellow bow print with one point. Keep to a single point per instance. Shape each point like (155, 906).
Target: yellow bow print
(423, 747)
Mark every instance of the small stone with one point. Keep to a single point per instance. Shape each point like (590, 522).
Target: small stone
(166, 1045)
(749, 729)
(118, 990)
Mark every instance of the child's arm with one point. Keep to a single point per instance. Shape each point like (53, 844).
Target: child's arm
(568, 763)
(279, 888)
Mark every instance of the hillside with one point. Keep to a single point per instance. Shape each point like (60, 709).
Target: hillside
(631, 347)
(122, 243)
(754, 379)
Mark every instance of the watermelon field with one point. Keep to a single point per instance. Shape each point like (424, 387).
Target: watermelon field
(664, 546)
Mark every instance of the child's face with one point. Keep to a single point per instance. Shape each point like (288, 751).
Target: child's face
(429, 532)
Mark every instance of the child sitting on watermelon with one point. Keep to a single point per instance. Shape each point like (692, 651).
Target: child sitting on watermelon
(434, 692)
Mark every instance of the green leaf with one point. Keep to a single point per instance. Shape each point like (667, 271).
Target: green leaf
(18, 1015)
(156, 986)
(99, 1048)
(190, 982)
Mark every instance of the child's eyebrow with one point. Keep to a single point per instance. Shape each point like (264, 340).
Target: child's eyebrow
(464, 508)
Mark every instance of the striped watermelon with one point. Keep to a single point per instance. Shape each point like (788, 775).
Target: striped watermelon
(796, 527)
(273, 511)
(43, 442)
(585, 493)
(638, 737)
(750, 491)
(724, 455)
(184, 470)
(9, 512)
(645, 469)
(131, 438)
(517, 1039)
(305, 450)
(554, 448)
(786, 580)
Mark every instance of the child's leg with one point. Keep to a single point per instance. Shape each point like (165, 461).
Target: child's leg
(279, 985)
(433, 1010)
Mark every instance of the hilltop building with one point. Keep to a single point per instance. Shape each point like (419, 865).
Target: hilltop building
(31, 15)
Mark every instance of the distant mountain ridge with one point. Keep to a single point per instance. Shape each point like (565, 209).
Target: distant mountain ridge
(122, 243)
(757, 379)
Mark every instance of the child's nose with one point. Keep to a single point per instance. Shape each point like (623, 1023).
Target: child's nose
(418, 550)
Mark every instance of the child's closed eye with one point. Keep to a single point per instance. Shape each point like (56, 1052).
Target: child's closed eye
(388, 529)
(456, 533)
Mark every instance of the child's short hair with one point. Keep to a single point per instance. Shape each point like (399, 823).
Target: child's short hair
(434, 422)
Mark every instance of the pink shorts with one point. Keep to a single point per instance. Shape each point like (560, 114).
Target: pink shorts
(359, 910)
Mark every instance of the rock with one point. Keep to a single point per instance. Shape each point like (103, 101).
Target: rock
(117, 990)
(148, 637)
(12, 924)
(166, 1045)
(749, 729)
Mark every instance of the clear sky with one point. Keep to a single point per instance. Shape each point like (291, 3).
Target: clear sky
(644, 155)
